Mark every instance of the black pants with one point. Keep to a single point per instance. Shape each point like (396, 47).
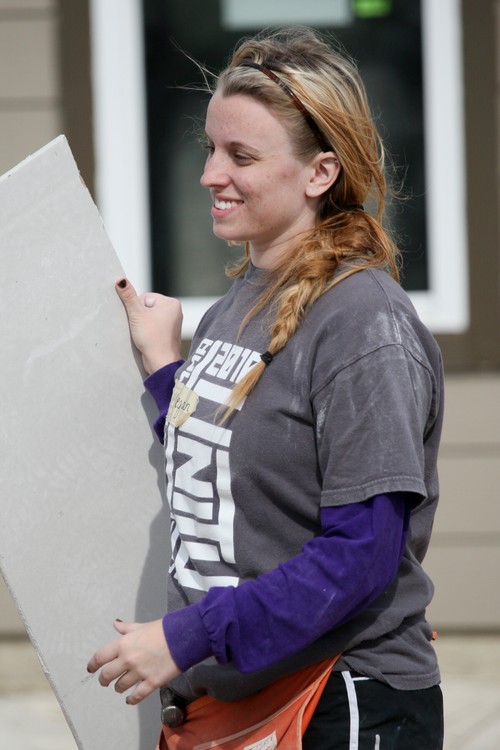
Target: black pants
(356, 713)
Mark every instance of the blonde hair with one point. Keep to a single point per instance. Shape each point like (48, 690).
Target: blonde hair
(328, 85)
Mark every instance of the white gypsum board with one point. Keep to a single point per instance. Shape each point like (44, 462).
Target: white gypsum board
(83, 523)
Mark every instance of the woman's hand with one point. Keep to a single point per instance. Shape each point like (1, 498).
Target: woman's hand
(140, 657)
(155, 323)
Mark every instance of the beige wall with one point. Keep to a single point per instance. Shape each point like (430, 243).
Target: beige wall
(30, 95)
(464, 557)
(465, 554)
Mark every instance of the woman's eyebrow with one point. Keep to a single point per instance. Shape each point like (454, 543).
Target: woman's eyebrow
(241, 146)
(232, 143)
(244, 146)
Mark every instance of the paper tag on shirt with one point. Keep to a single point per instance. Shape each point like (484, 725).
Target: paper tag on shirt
(268, 743)
(182, 404)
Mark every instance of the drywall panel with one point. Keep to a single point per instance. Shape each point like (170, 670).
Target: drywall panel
(83, 525)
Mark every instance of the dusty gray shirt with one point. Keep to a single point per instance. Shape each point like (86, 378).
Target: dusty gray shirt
(351, 408)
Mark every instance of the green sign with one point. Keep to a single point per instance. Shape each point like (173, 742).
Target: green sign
(372, 8)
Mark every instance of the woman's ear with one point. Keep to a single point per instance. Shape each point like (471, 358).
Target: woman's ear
(326, 169)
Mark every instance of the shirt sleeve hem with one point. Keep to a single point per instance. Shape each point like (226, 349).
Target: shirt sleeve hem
(186, 637)
(360, 493)
(160, 383)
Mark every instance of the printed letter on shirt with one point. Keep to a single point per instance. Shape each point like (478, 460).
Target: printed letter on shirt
(199, 488)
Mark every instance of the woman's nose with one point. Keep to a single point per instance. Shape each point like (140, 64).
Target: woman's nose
(214, 174)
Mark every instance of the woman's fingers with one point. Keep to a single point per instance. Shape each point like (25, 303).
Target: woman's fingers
(141, 691)
(155, 323)
(105, 655)
(140, 657)
(113, 671)
(125, 627)
(125, 682)
(127, 294)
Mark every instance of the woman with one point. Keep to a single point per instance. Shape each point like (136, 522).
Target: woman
(301, 439)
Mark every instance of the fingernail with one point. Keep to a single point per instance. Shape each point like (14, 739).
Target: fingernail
(122, 283)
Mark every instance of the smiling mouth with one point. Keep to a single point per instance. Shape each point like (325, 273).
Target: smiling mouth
(223, 205)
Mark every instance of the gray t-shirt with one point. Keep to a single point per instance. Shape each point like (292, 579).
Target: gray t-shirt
(350, 408)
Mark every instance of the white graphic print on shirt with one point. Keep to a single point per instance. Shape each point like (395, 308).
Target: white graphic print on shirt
(199, 489)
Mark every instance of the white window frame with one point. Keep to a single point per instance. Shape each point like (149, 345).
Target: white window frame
(445, 306)
(121, 155)
(120, 140)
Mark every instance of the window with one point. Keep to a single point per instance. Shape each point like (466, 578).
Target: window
(409, 57)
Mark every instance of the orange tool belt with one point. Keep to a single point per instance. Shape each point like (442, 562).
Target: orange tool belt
(276, 717)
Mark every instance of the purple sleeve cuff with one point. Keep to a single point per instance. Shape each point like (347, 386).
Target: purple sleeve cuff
(186, 636)
(160, 385)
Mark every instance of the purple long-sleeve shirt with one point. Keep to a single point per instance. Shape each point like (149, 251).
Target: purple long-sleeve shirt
(335, 576)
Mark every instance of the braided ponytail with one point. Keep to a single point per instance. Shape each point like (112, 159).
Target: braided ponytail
(328, 87)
